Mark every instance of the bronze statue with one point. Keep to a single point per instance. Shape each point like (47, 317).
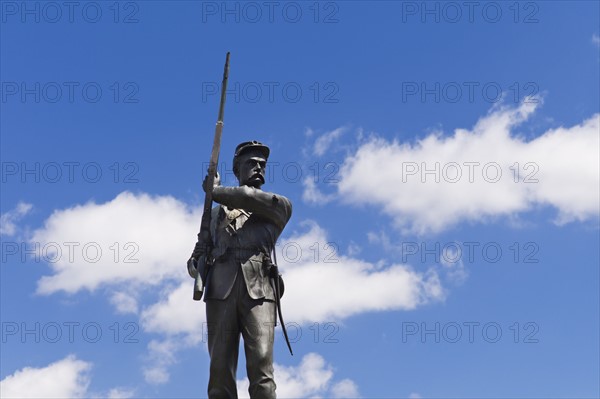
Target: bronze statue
(240, 291)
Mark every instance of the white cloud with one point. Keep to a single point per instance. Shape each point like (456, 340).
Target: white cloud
(453, 265)
(308, 132)
(157, 375)
(312, 377)
(313, 195)
(345, 389)
(162, 354)
(306, 255)
(564, 161)
(353, 249)
(381, 238)
(596, 39)
(9, 219)
(124, 303)
(121, 393)
(448, 257)
(164, 230)
(323, 142)
(66, 378)
(180, 319)
(142, 240)
(176, 313)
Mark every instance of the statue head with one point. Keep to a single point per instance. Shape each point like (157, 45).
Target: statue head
(249, 163)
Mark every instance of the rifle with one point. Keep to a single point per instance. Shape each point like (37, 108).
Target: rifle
(203, 264)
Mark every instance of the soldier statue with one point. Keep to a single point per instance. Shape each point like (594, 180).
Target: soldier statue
(239, 292)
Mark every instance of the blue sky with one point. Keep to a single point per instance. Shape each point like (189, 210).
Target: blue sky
(442, 159)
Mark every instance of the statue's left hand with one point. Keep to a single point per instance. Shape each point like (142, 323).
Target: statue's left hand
(191, 267)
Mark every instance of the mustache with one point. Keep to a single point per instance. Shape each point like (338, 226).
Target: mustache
(260, 176)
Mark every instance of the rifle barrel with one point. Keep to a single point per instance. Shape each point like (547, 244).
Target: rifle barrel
(210, 179)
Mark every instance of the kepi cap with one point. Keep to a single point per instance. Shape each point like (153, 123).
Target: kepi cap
(251, 145)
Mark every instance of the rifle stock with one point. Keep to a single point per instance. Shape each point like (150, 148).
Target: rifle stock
(203, 264)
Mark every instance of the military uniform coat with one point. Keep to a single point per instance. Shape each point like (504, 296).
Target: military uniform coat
(244, 229)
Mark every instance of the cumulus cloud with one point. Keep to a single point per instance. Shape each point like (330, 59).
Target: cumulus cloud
(479, 174)
(596, 39)
(345, 389)
(313, 195)
(66, 378)
(448, 256)
(133, 239)
(313, 377)
(121, 393)
(180, 320)
(324, 141)
(8, 220)
(124, 303)
(312, 253)
(144, 242)
(175, 313)
(162, 354)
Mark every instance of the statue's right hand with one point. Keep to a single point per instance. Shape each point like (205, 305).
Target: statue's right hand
(216, 183)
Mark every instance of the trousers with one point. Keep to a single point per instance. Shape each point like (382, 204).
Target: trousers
(254, 320)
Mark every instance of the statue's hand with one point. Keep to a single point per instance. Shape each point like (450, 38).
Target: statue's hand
(216, 183)
(191, 268)
(200, 250)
